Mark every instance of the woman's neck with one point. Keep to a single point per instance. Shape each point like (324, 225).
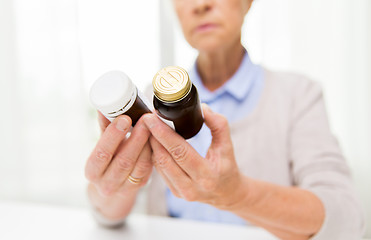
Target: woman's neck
(217, 67)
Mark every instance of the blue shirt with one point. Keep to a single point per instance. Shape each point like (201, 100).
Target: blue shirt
(235, 100)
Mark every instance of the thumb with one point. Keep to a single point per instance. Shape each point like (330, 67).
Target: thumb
(217, 124)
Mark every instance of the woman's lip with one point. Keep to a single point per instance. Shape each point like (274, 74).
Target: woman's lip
(206, 27)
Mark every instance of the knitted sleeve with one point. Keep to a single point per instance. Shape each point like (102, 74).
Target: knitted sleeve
(319, 166)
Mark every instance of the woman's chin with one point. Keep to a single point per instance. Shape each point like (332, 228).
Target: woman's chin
(211, 43)
(208, 46)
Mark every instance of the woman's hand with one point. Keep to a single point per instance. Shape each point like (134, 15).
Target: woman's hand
(215, 179)
(287, 212)
(118, 166)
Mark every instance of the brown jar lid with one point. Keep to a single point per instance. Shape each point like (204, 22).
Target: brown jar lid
(171, 84)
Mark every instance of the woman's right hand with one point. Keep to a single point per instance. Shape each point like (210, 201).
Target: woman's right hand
(118, 166)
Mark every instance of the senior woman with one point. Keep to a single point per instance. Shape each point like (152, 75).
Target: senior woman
(265, 157)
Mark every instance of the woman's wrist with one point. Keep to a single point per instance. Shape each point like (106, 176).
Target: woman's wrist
(239, 197)
(114, 207)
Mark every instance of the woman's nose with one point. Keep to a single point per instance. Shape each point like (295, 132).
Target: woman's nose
(202, 6)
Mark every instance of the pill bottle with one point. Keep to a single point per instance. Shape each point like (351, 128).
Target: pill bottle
(114, 94)
(176, 101)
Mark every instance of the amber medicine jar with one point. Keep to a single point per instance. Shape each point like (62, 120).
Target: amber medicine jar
(176, 101)
(114, 94)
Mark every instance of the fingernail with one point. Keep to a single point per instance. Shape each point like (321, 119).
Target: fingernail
(122, 124)
(206, 107)
(150, 121)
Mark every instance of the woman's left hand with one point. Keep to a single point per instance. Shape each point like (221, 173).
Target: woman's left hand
(215, 180)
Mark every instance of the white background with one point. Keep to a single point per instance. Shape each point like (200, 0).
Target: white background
(52, 50)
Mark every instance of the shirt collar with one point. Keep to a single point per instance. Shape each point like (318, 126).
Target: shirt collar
(237, 86)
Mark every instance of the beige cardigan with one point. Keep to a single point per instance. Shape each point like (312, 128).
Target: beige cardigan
(287, 140)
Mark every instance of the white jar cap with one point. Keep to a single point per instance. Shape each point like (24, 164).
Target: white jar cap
(111, 92)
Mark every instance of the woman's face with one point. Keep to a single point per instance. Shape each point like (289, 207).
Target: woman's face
(209, 25)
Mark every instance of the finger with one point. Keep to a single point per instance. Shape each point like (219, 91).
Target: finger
(176, 178)
(106, 147)
(142, 170)
(103, 122)
(169, 184)
(125, 159)
(143, 165)
(159, 171)
(218, 126)
(179, 149)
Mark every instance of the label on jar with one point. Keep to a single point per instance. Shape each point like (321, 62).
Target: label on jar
(167, 122)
